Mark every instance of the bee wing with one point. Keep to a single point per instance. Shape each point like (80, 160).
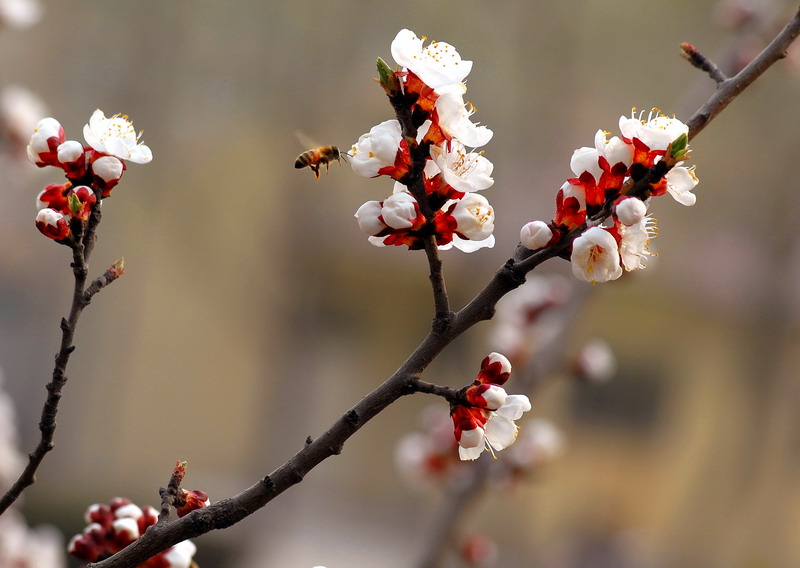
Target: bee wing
(305, 141)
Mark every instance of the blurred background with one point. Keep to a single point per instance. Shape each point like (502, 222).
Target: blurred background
(253, 312)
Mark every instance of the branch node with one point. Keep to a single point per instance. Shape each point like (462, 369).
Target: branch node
(442, 322)
(309, 441)
(352, 417)
(268, 484)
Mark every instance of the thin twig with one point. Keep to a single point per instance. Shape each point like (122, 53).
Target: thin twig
(693, 56)
(731, 88)
(170, 495)
(227, 512)
(81, 296)
(450, 395)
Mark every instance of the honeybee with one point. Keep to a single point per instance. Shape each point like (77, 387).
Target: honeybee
(317, 157)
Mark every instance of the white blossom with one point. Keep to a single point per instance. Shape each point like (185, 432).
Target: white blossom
(474, 216)
(657, 132)
(20, 13)
(376, 149)
(595, 256)
(500, 430)
(437, 64)
(454, 118)
(463, 171)
(20, 110)
(634, 241)
(680, 183)
(116, 136)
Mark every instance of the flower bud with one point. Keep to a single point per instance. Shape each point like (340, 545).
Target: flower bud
(54, 196)
(495, 369)
(400, 210)
(630, 210)
(488, 396)
(192, 500)
(106, 171)
(535, 235)
(72, 158)
(47, 137)
(81, 201)
(52, 224)
(368, 216)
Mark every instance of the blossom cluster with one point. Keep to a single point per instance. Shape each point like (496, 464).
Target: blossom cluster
(114, 526)
(437, 173)
(486, 419)
(92, 170)
(603, 175)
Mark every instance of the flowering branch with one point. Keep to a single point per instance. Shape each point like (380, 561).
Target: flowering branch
(466, 488)
(512, 274)
(69, 214)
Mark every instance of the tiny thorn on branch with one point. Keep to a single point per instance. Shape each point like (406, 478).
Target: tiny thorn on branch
(309, 441)
(697, 59)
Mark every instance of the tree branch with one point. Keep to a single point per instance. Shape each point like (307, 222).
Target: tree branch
(732, 87)
(81, 296)
(227, 512)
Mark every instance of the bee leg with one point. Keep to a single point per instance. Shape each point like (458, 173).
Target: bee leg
(315, 169)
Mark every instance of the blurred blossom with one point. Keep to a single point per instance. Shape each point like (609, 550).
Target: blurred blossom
(12, 460)
(430, 456)
(595, 362)
(20, 111)
(523, 317)
(20, 13)
(538, 443)
(478, 550)
(22, 547)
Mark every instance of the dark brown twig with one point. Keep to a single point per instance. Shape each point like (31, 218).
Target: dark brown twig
(81, 296)
(732, 87)
(693, 56)
(227, 512)
(450, 395)
(170, 495)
